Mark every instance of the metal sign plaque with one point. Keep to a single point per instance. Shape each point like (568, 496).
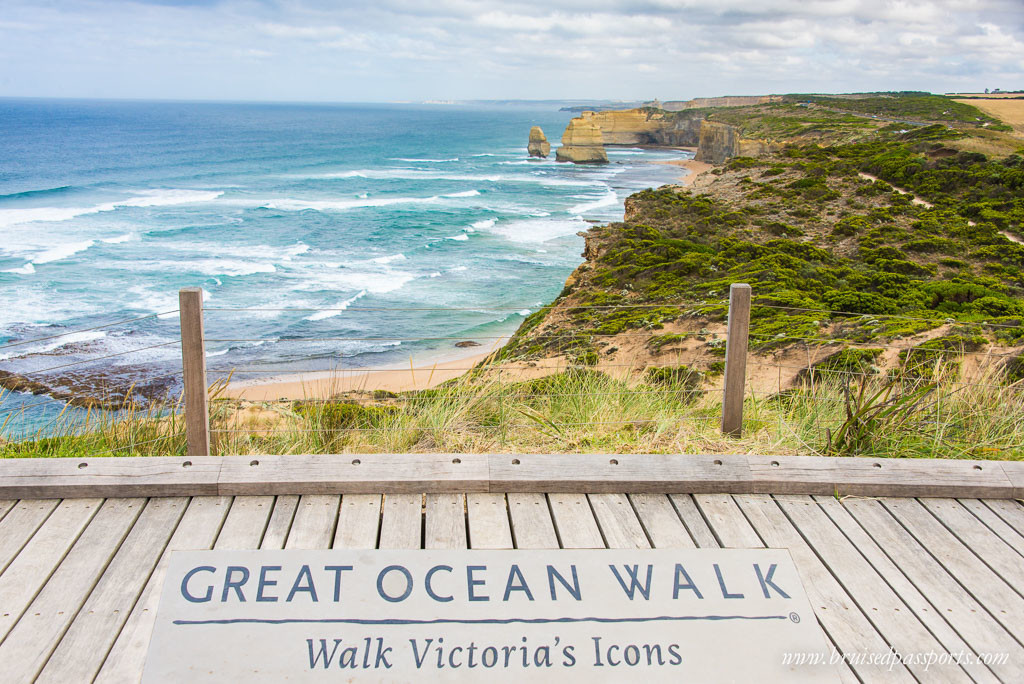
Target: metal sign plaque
(697, 615)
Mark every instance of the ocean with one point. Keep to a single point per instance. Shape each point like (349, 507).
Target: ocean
(107, 208)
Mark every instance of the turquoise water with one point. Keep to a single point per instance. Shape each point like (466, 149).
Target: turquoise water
(108, 208)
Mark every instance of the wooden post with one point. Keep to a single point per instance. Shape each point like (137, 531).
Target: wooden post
(736, 359)
(193, 365)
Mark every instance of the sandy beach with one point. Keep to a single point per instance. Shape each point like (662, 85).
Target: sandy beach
(694, 167)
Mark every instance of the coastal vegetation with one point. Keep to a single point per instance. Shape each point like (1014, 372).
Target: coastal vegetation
(886, 257)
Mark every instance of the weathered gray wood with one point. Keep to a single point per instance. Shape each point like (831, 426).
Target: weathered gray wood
(81, 651)
(1014, 471)
(947, 597)
(29, 644)
(197, 530)
(891, 616)
(20, 524)
(6, 505)
(905, 578)
(353, 474)
(193, 366)
(979, 538)
(532, 526)
(280, 523)
(995, 524)
(838, 615)
(1010, 512)
(694, 521)
(575, 522)
(727, 521)
(617, 473)
(736, 359)
(489, 526)
(852, 476)
(661, 521)
(996, 595)
(62, 478)
(315, 518)
(247, 520)
(358, 522)
(445, 523)
(29, 571)
(401, 525)
(619, 524)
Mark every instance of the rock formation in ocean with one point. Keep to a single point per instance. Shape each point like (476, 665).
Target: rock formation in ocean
(582, 142)
(538, 145)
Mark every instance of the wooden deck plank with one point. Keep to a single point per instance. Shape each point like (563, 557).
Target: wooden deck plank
(1011, 512)
(6, 505)
(891, 616)
(727, 521)
(80, 653)
(197, 530)
(313, 526)
(30, 643)
(619, 524)
(694, 521)
(39, 558)
(358, 522)
(348, 474)
(246, 521)
(948, 599)
(992, 521)
(18, 526)
(1002, 558)
(280, 523)
(838, 615)
(45, 478)
(903, 578)
(445, 522)
(532, 526)
(661, 522)
(574, 521)
(996, 595)
(489, 526)
(616, 473)
(401, 525)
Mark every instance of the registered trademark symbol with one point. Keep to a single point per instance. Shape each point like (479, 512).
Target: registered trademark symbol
(794, 617)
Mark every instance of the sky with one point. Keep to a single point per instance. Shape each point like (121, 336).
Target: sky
(415, 50)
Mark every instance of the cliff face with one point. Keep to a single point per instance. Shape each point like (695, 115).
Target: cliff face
(538, 145)
(720, 142)
(582, 143)
(646, 127)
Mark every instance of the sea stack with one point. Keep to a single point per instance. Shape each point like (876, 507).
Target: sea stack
(539, 145)
(582, 142)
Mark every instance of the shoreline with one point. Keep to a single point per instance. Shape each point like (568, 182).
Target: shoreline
(694, 167)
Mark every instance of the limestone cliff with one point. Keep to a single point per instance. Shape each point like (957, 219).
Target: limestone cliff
(646, 126)
(720, 142)
(538, 145)
(582, 143)
(728, 101)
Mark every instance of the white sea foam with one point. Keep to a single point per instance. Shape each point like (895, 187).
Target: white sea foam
(458, 269)
(607, 200)
(463, 236)
(118, 239)
(51, 345)
(321, 315)
(347, 279)
(435, 274)
(525, 312)
(27, 269)
(343, 205)
(539, 230)
(426, 161)
(388, 259)
(485, 224)
(422, 174)
(62, 251)
(466, 193)
(149, 198)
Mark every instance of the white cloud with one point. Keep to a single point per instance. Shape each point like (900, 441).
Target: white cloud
(409, 49)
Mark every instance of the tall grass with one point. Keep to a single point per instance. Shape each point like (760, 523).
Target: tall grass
(581, 410)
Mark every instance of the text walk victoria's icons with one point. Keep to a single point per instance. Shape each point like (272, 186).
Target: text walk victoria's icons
(702, 615)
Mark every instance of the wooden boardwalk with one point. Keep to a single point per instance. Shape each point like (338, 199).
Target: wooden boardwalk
(80, 578)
